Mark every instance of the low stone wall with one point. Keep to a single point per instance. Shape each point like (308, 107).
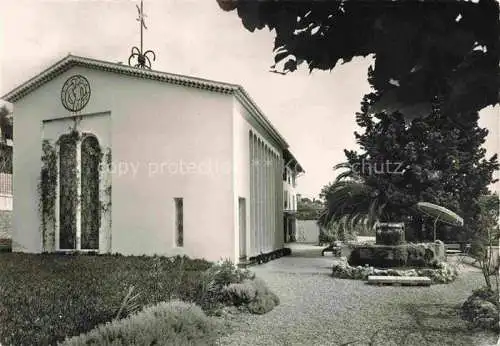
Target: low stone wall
(442, 273)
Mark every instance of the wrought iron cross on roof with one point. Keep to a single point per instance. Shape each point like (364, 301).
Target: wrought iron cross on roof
(143, 60)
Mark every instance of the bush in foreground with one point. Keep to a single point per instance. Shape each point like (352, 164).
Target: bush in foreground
(252, 295)
(211, 289)
(168, 323)
(482, 309)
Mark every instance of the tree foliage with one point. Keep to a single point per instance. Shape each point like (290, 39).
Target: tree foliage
(422, 49)
(435, 159)
(5, 133)
(308, 209)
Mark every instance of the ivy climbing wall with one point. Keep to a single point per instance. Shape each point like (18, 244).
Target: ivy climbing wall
(68, 191)
(90, 202)
(75, 185)
(47, 192)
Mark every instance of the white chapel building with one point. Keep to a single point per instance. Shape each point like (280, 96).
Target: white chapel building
(110, 158)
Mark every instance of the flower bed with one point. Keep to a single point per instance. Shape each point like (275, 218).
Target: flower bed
(443, 273)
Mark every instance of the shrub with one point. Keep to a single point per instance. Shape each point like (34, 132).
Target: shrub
(241, 293)
(485, 293)
(211, 288)
(254, 294)
(168, 323)
(226, 272)
(265, 299)
(262, 304)
(482, 309)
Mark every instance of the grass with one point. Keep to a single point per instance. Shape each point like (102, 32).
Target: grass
(44, 298)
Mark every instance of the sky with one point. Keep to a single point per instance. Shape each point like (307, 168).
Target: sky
(314, 111)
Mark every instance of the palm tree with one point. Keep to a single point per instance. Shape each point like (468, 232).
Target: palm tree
(351, 202)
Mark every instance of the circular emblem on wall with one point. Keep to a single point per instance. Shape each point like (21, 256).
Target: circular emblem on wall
(75, 93)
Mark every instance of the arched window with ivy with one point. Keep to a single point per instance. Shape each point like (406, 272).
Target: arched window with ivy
(67, 192)
(90, 202)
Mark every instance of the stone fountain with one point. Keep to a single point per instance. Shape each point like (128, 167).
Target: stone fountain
(391, 250)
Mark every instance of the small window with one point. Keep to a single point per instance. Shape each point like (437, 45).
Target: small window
(179, 222)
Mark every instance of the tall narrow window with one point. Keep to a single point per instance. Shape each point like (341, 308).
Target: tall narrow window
(179, 222)
(90, 203)
(67, 192)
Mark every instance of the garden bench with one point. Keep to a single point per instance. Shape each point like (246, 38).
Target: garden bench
(400, 280)
(453, 249)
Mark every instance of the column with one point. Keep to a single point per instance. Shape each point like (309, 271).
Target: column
(252, 193)
(263, 194)
(268, 215)
(259, 196)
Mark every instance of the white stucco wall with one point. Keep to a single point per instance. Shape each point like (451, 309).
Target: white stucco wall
(154, 129)
(307, 231)
(243, 123)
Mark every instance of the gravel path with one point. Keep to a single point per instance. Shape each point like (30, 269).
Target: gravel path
(317, 309)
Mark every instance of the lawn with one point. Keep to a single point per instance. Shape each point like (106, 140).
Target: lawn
(44, 298)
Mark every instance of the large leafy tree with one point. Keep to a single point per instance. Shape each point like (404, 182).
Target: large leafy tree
(422, 49)
(308, 209)
(435, 159)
